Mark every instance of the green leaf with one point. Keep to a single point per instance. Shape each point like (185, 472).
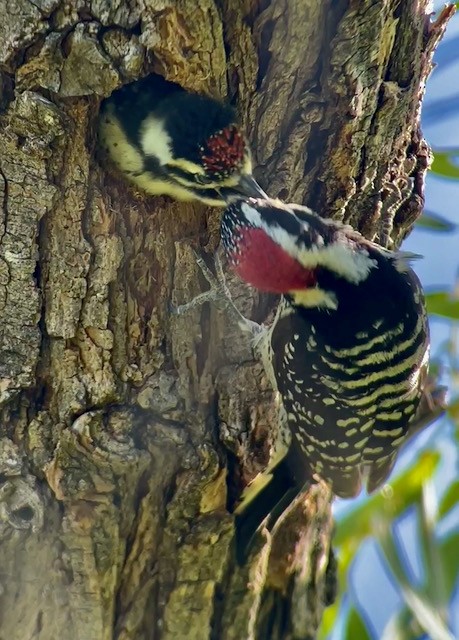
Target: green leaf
(449, 558)
(449, 500)
(329, 619)
(434, 583)
(431, 617)
(436, 366)
(443, 164)
(453, 411)
(401, 492)
(434, 222)
(402, 626)
(355, 627)
(441, 303)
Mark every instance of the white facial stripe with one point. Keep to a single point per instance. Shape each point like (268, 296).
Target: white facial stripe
(154, 140)
(247, 164)
(123, 153)
(254, 216)
(186, 165)
(341, 258)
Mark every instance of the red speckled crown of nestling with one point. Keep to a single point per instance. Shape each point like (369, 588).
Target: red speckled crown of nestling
(224, 151)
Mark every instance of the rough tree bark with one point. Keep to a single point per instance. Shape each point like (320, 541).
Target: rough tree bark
(123, 428)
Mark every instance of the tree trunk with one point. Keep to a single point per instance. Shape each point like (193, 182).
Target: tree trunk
(125, 428)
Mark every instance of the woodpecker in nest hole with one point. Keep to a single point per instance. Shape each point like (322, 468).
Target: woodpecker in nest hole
(172, 142)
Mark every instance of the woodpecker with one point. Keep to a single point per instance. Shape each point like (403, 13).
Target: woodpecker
(172, 142)
(348, 350)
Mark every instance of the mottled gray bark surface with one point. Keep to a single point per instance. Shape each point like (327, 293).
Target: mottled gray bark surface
(122, 425)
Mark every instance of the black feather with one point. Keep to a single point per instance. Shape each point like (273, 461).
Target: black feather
(288, 479)
(190, 119)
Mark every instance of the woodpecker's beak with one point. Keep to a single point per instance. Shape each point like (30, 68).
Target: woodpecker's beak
(247, 187)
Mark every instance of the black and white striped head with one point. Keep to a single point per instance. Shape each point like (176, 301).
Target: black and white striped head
(198, 142)
(158, 133)
(288, 249)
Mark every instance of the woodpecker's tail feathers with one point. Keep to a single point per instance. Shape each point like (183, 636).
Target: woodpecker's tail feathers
(431, 407)
(408, 256)
(379, 472)
(264, 502)
(344, 484)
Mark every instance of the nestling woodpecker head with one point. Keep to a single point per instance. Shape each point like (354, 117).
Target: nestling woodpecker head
(288, 249)
(169, 141)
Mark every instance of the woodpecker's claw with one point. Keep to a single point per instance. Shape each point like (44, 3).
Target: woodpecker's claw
(219, 294)
(212, 295)
(432, 405)
(181, 309)
(217, 291)
(395, 198)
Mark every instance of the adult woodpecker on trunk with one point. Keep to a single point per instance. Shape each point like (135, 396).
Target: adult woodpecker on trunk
(348, 350)
(172, 142)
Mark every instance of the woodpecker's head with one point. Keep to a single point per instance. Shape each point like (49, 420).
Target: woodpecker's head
(198, 143)
(290, 250)
(170, 141)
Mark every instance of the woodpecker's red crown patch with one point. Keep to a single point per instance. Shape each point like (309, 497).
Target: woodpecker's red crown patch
(224, 151)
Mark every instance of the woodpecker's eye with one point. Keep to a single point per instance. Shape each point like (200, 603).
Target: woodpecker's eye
(201, 179)
(223, 152)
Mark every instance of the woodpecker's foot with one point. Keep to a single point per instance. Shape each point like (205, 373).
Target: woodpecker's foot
(214, 294)
(251, 327)
(395, 198)
(432, 406)
(219, 294)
